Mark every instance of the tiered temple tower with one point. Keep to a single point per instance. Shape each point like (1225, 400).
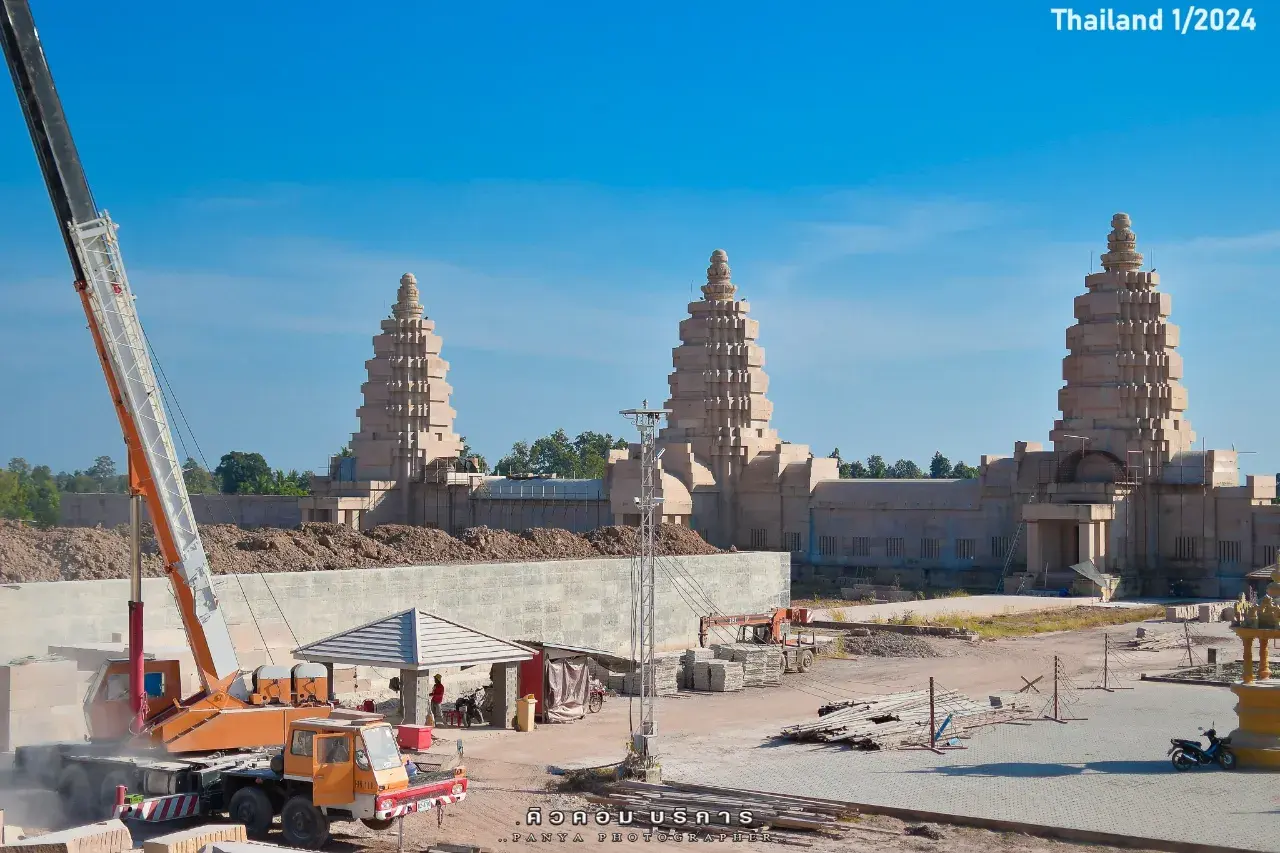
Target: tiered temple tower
(406, 421)
(718, 386)
(1122, 396)
(406, 424)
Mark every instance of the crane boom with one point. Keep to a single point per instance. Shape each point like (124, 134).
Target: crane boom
(100, 279)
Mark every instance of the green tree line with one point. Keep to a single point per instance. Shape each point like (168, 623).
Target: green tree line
(584, 457)
(875, 468)
(30, 493)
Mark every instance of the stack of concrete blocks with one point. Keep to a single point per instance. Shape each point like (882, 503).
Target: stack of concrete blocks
(346, 681)
(39, 703)
(718, 676)
(1216, 612)
(664, 681)
(616, 682)
(241, 847)
(109, 836)
(761, 663)
(687, 663)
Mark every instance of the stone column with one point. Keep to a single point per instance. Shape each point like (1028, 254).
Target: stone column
(1100, 545)
(1035, 549)
(1264, 663)
(505, 691)
(1088, 540)
(415, 687)
(1247, 660)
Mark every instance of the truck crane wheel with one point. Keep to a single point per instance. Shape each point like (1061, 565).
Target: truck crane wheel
(251, 807)
(806, 660)
(378, 825)
(76, 792)
(303, 824)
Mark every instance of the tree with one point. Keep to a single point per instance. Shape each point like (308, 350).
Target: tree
(239, 471)
(846, 468)
(515, 462)
(554, 454)
(876, 469)
(940, 467)
(904, 469)
(29, 494)
(199, 481)
(467, 454)
(857, 471)
(592, 450)
(13, 500)
(346, 451)
(962, 471)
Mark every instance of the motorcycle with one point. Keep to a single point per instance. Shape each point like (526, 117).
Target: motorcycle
(469, 707)
(1186, 754)
(595, 700)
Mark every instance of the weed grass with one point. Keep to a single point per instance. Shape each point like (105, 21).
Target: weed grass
(1047, 621)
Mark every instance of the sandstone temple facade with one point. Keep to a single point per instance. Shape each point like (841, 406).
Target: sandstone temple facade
(1121, 493)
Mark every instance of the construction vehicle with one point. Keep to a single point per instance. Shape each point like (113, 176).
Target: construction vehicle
(185, 753)
(768, 628)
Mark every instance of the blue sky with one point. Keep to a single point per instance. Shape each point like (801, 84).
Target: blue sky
(909, 196)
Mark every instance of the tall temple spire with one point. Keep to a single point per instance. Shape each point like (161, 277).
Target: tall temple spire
(1122, 246)
(1122, 393)
(718, 385)
(718, 286)
(407, 306)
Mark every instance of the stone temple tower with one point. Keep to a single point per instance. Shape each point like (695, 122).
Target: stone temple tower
(718, 384)
(1122, 396)
(406, 421)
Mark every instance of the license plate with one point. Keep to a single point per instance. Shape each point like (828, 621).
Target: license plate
(424, 804)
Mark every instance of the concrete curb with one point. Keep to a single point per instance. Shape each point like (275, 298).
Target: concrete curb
(1164, 679)
(1064, 833)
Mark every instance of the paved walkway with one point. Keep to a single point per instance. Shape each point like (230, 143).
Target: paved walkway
(1107, 773)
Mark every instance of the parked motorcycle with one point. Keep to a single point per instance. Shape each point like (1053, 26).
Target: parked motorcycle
(595, 700)
(1186, 754)
(469, 707)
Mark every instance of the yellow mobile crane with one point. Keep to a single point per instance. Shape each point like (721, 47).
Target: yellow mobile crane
(251, 745)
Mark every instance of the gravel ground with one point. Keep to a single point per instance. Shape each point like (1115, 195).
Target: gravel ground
(95, 553)
(887, 644)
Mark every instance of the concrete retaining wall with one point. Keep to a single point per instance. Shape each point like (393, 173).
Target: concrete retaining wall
(580, 602)
(112, 510)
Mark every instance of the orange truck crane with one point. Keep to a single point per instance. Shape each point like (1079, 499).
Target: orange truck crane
(767, 628)
(222, 750)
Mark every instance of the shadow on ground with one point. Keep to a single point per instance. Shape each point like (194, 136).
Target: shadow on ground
(1048, 770)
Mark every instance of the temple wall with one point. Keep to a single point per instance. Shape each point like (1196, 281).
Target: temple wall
(91, 509)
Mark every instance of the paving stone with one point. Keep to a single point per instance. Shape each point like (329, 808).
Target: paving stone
(109, 836)
(194, 839)
(1107, 773)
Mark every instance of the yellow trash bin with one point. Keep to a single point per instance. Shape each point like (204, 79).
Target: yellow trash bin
(524, 713)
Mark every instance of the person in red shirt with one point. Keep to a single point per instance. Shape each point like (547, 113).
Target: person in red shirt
(437, 697)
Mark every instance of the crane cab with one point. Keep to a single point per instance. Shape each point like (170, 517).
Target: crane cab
(107, 710)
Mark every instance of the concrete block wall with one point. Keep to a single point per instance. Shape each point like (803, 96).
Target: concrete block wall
(39, 701)
(580, 602)
(111, 510)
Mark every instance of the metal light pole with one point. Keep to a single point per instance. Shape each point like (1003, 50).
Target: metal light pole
(644, 738)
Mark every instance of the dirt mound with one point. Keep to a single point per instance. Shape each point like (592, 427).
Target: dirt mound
(556, 544)
(887, 644)
(672, 541)
(423, 545)
(28, 554)
(500, 545)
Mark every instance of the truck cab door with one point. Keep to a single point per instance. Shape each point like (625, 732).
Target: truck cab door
(332, 771)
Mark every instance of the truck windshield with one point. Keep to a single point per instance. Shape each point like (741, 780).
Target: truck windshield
(381, 747)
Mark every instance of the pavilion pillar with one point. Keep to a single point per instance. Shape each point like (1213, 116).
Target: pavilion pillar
(415, 687)
(505, 692)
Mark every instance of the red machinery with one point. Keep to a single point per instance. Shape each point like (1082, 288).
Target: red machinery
(767, 628)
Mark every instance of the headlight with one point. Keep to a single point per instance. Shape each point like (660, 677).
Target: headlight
(383, 805)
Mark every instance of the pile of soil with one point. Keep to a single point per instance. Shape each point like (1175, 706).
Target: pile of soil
(29, 555)
(888, 644)
(672, 540)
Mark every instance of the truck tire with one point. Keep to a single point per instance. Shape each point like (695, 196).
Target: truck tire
(77, 794)
(806, 660)
(303, 824)
(251, 807)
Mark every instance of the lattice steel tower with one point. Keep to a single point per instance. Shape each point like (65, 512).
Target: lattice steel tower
(644, 737)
